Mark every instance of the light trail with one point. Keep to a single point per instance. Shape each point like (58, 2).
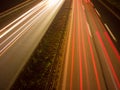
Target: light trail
(85, 62)
(115, 80)
(84, 49)
(112, 45)
(68, 50)
(52, 2)
(29, 21)
(92, 54)
(34, 13)
(79, 27)
(94, 64)
(22, 18)
(108, 37)
(24, 27)
(86, 53)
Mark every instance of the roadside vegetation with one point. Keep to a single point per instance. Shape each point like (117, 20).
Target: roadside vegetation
(42, 72)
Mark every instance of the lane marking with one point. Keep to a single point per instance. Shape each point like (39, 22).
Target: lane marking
(112, 45)
(95, 24)
(110, 32)
(73, 47)
(26, 14)
(13, 41)
(88, 27)
(31, 20)
(94, 64)
(111, 70)
(97, 12)
(85, 62)
(84, 53)
(72, 63)
(92, 56)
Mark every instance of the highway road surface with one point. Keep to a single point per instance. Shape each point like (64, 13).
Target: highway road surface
(92, 61)
(19, 38)
(110, 16)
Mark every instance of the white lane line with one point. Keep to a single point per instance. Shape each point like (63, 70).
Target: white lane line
(110, 32)
(97, 12)
(89, 29)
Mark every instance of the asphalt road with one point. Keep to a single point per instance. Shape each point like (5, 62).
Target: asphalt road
(110, 16)
(92, 62)
(19, 38)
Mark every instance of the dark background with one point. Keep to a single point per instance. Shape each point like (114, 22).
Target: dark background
(6, 4)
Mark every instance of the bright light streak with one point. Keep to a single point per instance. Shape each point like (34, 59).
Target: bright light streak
(27, 24)
(112, 45)
(109, 63)
(94, 63)
(89, 29)
(21, 19)
(52, 2)
(40, 9)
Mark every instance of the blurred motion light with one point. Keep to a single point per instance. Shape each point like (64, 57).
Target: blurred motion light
(52, 2)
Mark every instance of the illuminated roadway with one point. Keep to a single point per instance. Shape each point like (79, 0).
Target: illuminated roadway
(19, 38)
(92, 62)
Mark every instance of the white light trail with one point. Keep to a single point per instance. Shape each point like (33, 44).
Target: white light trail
(24, 28)
(22, 18)
(89, 29)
